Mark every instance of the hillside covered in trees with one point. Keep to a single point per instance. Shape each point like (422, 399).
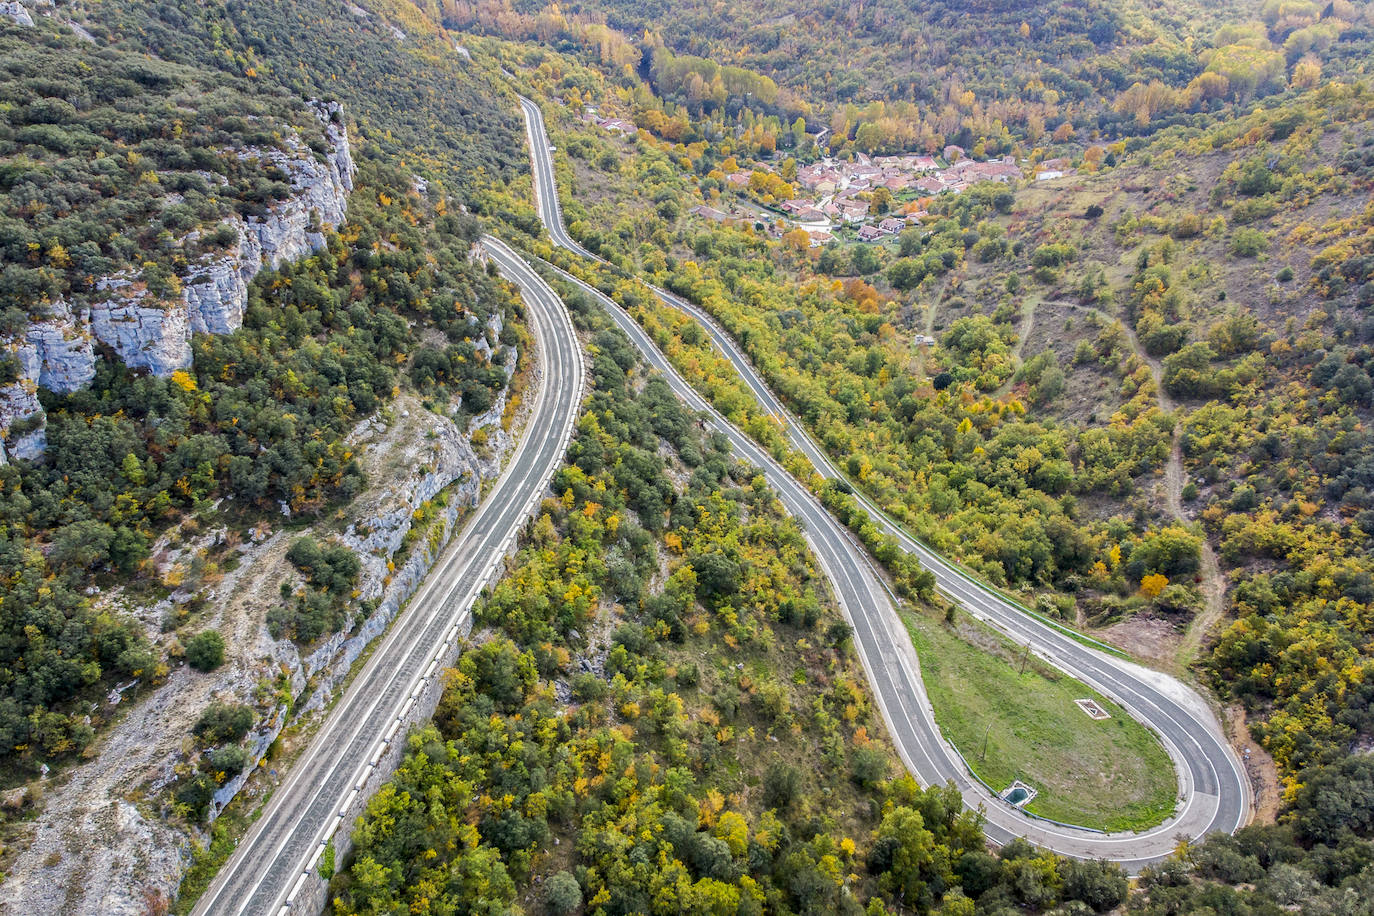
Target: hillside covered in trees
(894, 75)
(624, 736)
(663, 711)
(140, 145)
(1135, 394)
(1142, 408)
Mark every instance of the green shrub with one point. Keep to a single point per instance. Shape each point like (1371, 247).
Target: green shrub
(223, 722)
(562, 894)
(1249, 243)
(205, 650)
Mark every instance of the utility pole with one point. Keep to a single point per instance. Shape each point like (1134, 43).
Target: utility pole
(982, 755)
(1025, 655)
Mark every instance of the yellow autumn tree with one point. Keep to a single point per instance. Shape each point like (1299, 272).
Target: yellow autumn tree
(1153, 584)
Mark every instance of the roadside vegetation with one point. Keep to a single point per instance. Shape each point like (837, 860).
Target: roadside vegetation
(662, 710)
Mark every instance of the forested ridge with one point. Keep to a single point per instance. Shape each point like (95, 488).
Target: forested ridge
(95, 141)
(892, 76)
(117, 158)
(387, 63)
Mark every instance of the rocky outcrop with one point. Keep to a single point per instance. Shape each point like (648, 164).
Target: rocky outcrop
(17, 13)
(56, 353)
(66, 362)
(451, 465)
(215, 290)
(19, 405)
(145, 336)
(217, 294)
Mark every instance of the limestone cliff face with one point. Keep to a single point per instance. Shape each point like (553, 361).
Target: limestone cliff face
(217, 291)
(146, 336)
(66, 361)
(57, 353)
(19, 403)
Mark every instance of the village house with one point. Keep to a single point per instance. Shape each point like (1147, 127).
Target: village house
(969, 171)
(614, 125)
(855, 212)
(892, 225)
(1054, 168)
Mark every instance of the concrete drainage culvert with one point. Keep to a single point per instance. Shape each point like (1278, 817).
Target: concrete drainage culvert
(1018, 794)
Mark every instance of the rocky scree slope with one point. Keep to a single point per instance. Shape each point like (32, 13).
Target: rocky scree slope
(100, 844)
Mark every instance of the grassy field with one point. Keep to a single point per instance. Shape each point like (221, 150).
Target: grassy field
(1111, 774)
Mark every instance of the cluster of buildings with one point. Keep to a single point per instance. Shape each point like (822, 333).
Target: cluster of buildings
(839, 192)
(835, 187)
(905, 173)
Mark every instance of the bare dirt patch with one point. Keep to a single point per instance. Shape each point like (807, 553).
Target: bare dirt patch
(1264, 775)
(1149, 638)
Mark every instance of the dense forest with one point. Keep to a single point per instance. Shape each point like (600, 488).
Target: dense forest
(895, 75)
(430, 106)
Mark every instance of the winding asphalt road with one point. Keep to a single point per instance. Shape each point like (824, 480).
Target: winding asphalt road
(284, 846)
(1214, 792)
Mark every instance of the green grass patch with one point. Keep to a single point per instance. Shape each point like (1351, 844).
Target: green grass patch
(1111, 774)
